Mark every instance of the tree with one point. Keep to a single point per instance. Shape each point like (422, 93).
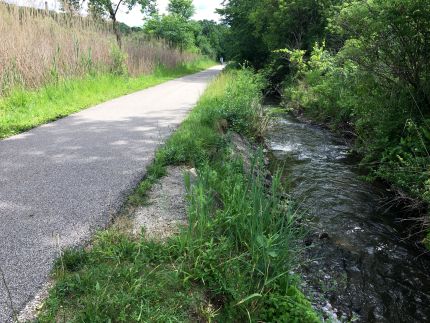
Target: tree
(206, 37)
(175, 30)
(242, 41)
(258, 27)
(390, 39)
(211, 39)
(181, 8)
(109, 9)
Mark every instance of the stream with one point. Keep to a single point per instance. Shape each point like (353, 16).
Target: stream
(357, 259)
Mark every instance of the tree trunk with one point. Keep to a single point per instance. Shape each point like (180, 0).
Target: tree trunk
(117, 32)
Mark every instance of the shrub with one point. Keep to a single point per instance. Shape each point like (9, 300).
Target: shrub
(292, 307)
(118, 61)
(368, 89)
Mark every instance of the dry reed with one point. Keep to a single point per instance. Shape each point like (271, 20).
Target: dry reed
(38, 47)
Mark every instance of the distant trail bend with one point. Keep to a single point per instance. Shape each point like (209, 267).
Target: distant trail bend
(62, 181)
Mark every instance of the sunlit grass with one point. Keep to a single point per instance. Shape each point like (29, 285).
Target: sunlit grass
(23, 109)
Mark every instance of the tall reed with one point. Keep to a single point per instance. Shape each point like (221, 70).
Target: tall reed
(38, 47)
(144, 54)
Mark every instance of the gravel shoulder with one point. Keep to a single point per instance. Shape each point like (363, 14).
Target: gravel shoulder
(165, 211)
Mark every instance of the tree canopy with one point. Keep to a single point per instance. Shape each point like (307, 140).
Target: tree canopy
(260, 26)
(181, 8)
(178, 30)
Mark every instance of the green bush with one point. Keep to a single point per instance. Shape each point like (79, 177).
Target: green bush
(118, 65)
(292, 307)
(375, 88)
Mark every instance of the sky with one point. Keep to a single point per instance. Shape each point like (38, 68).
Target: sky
(205, 9)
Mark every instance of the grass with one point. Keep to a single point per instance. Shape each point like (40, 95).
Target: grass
(233, 262)
(24, 109)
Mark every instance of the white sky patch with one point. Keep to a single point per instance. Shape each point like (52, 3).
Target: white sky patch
(40, 4)
(205, 9)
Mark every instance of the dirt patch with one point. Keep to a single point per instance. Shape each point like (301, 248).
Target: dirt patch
(165, 211)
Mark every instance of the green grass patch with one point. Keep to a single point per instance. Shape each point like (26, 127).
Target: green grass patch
(22, 110)
(233, 262)
(121, 280)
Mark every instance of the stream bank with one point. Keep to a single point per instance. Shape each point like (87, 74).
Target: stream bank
(236, 260)
(357, 257)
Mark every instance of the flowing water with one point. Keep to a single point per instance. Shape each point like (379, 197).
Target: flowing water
(357, 257)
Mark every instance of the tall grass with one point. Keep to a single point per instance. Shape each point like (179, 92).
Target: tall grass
(55, 64)
(39, 47)
(144, 55)
(242, 245)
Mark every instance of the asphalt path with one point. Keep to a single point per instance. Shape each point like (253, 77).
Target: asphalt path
(61, 182)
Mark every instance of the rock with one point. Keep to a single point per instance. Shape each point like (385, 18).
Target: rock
(193, 174)
(324, 235)
(308, 241)
(246, 151)
(243, 149)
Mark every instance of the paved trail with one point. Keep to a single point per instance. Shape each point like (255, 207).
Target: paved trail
(62, 181)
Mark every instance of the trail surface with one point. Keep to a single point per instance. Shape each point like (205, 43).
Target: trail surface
(62, 181)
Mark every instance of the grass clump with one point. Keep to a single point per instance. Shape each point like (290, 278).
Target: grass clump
(231, 101)
(241, 244)
(24, 109)
(234, 261)
(122, 280)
